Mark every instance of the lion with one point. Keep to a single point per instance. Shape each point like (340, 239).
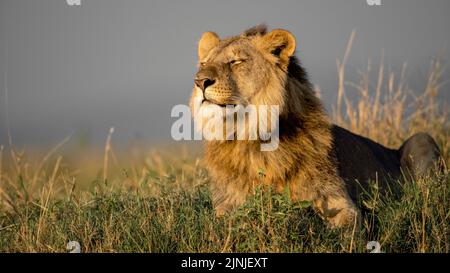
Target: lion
(315, 159)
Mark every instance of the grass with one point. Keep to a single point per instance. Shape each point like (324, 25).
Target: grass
(159, 201)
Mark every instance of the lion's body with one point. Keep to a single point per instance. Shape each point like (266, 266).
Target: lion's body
(363, 160)
(315, 159)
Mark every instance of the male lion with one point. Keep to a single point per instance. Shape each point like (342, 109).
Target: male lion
(315, 160)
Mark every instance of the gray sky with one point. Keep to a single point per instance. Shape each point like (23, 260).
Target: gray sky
(124, 63)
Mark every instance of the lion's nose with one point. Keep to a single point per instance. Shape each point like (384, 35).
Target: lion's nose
(204, 83)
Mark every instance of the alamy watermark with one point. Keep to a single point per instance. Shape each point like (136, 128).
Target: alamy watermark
(373, 2)
(73, 2)
(227, 123)
(374, 247)
(73, 247)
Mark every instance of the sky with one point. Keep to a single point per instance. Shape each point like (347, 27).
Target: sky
(83, 69)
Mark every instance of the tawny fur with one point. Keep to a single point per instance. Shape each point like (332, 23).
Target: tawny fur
(259, 68)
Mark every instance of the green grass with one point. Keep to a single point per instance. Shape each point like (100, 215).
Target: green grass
(182, 220)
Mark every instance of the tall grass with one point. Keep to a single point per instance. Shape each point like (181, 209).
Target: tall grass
(159, 201)
(386, 109)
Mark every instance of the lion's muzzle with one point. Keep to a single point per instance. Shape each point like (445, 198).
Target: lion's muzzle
(214, 90)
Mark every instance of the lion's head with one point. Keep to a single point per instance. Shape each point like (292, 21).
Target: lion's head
(254, 68)
(240, 69)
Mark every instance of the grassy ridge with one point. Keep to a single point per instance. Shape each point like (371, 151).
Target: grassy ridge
(160, 202)
(183, 221)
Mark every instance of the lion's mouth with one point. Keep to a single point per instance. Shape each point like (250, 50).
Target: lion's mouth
(211, 101)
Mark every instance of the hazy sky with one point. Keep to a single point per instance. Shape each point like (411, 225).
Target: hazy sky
(125, 63)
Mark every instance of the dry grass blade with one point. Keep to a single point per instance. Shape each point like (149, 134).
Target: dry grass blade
(106, 155)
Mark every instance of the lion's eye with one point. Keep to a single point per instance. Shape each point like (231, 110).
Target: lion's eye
(234, 62)
(202, 63)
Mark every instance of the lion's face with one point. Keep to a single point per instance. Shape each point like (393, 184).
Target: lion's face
(227, 75)
(240, 70)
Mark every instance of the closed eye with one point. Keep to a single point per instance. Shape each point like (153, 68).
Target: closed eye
(238, 61)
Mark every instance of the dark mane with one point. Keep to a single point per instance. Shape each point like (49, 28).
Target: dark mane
(295, 70)
(260, 29)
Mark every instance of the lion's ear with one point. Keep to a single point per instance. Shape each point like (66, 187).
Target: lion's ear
(207, 42)
(280, 43)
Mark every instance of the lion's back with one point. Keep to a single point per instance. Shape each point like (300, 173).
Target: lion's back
(359, 158)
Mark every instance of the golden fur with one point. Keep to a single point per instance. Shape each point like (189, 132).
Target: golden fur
(316, 160)
(259, 68)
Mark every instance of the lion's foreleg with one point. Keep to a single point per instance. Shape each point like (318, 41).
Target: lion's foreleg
(338, 210)
(226, 197)
(329, 196)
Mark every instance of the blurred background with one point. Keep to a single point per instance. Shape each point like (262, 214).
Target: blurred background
(82, 69)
